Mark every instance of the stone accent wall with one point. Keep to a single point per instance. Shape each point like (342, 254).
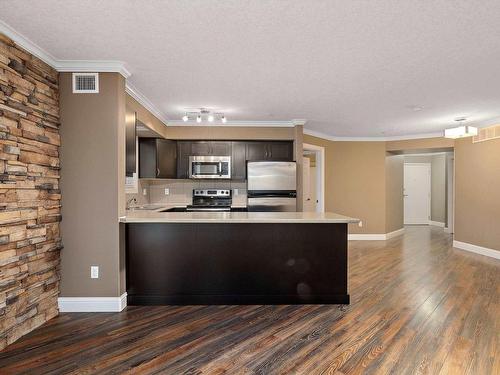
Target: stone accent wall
(29, 192)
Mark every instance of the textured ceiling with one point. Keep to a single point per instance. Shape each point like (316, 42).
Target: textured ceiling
(351, 68)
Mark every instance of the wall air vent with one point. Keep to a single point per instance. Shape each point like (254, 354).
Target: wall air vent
(486, 134)
(85, 83)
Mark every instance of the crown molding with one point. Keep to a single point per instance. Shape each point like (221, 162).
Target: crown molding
(101, 66)
(145, 102)
(280, 124)
(63, 65)
(371, 139)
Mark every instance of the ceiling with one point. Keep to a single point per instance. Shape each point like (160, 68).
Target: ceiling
(351, 68)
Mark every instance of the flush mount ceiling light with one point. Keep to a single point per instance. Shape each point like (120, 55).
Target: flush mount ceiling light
(461, 131)
(204, 114)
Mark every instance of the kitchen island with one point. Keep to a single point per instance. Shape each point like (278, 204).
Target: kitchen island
(235, 257)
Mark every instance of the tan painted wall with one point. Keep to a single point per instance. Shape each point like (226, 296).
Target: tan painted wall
(394, 173)
(438, 188)
(92, 178)
(421, 145)
(477, 197)
(355, 181)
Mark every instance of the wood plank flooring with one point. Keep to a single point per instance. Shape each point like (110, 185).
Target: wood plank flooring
(418, 306)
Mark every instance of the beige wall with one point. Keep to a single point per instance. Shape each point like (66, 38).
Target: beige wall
(421, 145)
(477, 197)
(355, 181)
(92, 178)
(438, 188)
(394, 173)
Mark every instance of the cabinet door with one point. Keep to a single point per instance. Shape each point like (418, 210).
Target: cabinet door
(220, 148)
(238, 161)
(280, 151)
(183, 153)
(166, 158)
(130, 145)
(147, 157)
(200, 148)
(256, 151)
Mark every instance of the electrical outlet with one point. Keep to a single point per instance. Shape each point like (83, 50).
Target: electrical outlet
(360, 224)
(144, 191)
(167, 191)
(94, 272)
(235, 192)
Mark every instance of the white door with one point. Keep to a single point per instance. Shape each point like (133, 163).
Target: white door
(417, 193)
(306, 186)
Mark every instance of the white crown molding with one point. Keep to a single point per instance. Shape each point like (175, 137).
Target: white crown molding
(371, 139)
(63, 65)
(101, 66)
(92, 304)
(27, 44)
(145, 102)
(477, 249)
(283, 124)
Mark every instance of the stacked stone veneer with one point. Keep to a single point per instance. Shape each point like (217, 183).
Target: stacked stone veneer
(29, 192)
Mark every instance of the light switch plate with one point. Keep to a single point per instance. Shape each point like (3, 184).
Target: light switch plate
(94, 272)
(235, 191)
(144, 191)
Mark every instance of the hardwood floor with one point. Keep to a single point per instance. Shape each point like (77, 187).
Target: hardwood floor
(417, 306)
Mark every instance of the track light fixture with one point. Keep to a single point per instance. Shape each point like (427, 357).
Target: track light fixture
(204, 114)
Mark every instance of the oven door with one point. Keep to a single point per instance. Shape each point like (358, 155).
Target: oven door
(209, 167)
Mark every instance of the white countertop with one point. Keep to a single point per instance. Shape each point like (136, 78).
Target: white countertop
(148, 216)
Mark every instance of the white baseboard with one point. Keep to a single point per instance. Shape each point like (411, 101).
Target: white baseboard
(436, 223)
(396, 233)
(374, 237)
(477, 249)
(92, 304)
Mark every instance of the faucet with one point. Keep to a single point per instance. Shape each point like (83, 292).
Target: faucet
(127, 205)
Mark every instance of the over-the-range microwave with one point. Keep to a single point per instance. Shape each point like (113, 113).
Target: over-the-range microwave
(210, 167)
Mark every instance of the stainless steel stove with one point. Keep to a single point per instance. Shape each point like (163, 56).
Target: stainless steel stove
(211, 200)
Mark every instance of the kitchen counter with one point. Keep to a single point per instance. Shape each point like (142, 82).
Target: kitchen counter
(153, 216)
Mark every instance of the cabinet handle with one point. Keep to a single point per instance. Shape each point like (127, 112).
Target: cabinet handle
(157, 172)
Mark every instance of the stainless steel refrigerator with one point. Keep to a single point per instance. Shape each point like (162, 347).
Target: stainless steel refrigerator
(272, 186)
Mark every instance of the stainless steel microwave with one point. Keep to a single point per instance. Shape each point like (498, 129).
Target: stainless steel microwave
(210, 167)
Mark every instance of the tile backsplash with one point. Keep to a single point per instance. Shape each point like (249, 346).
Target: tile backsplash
(181, 191)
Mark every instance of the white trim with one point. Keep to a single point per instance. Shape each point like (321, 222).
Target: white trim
(436, 223)
(375, 237)
(366, 237)
(27, 44)
(395, 233)
(372, 139)
(477, 249)
(320, 193)
(274, 124)
(85, 66)
(92, 304)
(145, 102)
(63, 65)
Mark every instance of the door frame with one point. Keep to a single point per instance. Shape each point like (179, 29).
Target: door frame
(320, 174)
(429, 166)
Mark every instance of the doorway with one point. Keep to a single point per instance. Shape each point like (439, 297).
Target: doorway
(313, 178)
(417, 193)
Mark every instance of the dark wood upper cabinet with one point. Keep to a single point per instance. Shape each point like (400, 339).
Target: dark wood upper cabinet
(238, 161)
(130, 144)
(157, 158)
(183, 153)
(209, 148)
(280, 151)
(270, 150)
(256, 151)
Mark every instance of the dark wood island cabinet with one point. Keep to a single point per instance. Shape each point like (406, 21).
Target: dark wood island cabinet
(236, 258)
